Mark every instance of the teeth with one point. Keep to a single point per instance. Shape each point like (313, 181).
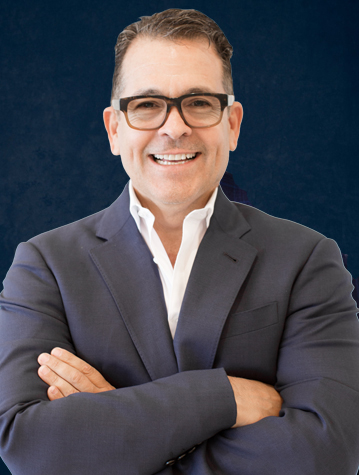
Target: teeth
(175, 158)
(173, 162)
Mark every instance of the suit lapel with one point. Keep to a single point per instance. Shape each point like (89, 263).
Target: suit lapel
(220, 268)
(132, 277)
(222, 263)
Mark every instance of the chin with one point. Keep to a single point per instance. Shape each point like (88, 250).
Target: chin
(182, 198)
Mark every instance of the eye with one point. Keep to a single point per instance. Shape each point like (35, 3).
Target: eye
(146, 104)
(199, 103)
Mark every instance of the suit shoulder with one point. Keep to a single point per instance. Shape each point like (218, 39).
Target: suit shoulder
(89, 231)
(81, 230)
(271, 227)
(284, 240)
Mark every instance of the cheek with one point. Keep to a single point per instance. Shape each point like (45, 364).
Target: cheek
(126, 165)
(126, 156)
(220, 150)
(131, 158)
(133, 143)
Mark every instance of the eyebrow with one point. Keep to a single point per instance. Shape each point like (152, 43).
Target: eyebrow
(157, 92)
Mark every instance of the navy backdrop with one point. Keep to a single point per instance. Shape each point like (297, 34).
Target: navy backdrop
(296, 72)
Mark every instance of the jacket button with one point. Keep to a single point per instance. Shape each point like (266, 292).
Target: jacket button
(170, 462)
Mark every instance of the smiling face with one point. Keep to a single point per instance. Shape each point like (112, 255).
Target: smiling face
(172, 69)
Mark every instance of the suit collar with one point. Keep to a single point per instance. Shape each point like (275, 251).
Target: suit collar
(227, 215)
(115, 216)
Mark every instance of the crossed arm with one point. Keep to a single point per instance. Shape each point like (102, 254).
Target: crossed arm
(67, 374)
(316, 431)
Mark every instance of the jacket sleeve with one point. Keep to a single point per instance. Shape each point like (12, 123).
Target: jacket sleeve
(318, 378)
(133, 430)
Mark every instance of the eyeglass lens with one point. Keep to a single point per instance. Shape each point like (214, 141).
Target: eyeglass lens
(150, 112)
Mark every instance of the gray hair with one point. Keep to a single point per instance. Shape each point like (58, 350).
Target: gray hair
(174, 24)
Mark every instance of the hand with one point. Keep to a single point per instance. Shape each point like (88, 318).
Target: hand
(67, 374)
(255, 400)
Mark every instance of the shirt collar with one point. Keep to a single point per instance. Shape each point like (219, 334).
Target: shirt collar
(138, 211)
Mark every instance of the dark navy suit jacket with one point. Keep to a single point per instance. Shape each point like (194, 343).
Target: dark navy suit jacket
(267, 299)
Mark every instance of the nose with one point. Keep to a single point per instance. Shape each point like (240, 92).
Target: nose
(174, 126)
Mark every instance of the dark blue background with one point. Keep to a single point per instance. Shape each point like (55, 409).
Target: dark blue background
(296, 72)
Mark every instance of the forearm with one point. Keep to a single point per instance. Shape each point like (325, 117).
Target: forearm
(317, 377)
(131, 430)
(317, 437)
(128, 430)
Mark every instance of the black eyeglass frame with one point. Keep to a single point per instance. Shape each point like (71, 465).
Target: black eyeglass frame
(226, 100)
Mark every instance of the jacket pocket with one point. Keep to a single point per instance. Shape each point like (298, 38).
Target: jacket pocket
(250, 320)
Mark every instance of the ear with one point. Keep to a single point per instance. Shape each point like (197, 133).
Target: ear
(235, 120)
(111, 123)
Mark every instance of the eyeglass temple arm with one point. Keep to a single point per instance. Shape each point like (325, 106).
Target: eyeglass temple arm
(230, 99)
(115, 103)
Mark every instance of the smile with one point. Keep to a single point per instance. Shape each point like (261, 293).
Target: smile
(174, 159)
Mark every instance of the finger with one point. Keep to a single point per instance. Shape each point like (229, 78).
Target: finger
(92, 374)
(54, 393)
(67, 373)
(53, 379)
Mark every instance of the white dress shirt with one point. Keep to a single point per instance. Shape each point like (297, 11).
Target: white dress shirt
(174, 279)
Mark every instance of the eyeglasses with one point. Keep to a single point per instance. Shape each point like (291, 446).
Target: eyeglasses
(151, 112)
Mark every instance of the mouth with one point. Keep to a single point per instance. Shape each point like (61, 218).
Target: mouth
(174, 159)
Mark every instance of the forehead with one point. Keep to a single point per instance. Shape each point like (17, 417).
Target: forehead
(171, 68)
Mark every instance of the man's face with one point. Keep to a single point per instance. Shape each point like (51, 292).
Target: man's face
(157, 66)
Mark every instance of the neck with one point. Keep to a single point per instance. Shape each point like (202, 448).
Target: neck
(169, 220)
(170, 216)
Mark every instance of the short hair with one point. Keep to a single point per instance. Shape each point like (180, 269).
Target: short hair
(174, 24)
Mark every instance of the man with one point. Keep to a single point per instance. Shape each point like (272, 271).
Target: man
(178, 332)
